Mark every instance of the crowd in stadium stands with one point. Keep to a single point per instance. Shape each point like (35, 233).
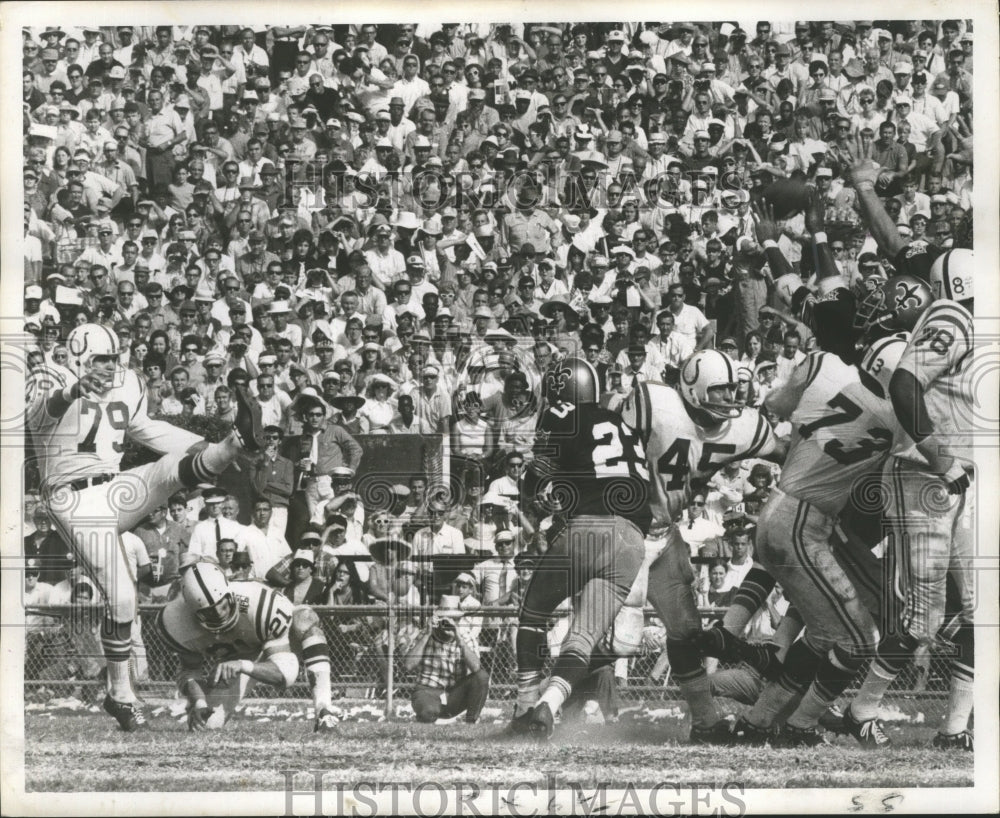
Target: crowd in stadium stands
(396, 229)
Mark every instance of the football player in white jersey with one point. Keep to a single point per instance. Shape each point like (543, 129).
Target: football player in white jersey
(689, 433)
(79, 417)
(250, 633)
(843, 430)
(933, 392)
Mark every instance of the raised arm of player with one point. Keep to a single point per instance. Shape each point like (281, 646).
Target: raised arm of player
(825, 265)
(863, 176)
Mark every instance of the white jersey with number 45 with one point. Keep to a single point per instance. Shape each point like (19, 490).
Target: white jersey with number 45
(679, 450)
(842, 431)
(262, 627)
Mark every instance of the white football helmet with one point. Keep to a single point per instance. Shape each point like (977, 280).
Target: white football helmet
(89, 341)
(707, 369)
(952, 275)
(879, 362)
(206, 590)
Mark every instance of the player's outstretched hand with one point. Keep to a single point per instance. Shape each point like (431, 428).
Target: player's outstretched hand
(225, 671)
(197, 717)
(91, 383)
(864, 171)
(815, 213)
(765, 223)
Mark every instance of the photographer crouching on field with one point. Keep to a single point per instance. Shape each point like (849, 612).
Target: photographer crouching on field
(446, 662)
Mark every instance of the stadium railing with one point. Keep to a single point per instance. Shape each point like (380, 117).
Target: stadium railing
(63, 656)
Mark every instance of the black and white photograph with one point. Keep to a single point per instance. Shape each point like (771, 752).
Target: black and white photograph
(516, 411)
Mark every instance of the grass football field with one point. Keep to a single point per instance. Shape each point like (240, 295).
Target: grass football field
(76, 748)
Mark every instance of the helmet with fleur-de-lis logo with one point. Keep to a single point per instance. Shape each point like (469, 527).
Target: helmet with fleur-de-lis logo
(571, 380)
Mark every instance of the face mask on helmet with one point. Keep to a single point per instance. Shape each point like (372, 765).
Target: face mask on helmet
(895, 307)
(91, 348)
(708, 383)
(219, 617)
(206, 591)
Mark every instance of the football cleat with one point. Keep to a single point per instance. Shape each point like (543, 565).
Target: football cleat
(541, 724)
(752, 736)
(519, 725)
(719, 733)
(325, 722)
(954, 741)
(248, 424)
(869, 733)
(128, 714)
(790, 736)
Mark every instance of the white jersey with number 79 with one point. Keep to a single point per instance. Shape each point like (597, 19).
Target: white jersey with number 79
(87, 439)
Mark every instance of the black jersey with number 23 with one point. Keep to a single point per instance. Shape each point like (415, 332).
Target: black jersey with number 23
(593, 463)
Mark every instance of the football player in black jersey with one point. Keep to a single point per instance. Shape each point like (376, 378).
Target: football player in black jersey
(592, 473)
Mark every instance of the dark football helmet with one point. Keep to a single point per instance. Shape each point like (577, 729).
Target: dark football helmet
(571, 380)
(830, 318)
(896, 306)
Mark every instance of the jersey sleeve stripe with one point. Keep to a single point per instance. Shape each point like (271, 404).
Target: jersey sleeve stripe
(259, 613)
(815, 365)
(272, 596)
(142, 395)
(759, 437)
(644, 414)
(945, 277)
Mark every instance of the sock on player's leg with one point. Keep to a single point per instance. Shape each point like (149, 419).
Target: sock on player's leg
(960, 696)
(316, 658)
(891, 656)
(832, 678)
(693, 681)
(797, 673)
(116, 638)
(210, 462)
(531, 647)
(749, 599)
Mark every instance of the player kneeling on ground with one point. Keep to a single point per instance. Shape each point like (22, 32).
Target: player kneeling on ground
(250, 633)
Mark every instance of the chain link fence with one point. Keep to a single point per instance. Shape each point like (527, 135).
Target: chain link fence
(63, 654)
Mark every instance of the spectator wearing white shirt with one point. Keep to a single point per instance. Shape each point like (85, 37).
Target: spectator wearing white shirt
(741, 560)
(438, 537)
(791, 356)
(209, 532)
(689, 321)
(697, 530)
